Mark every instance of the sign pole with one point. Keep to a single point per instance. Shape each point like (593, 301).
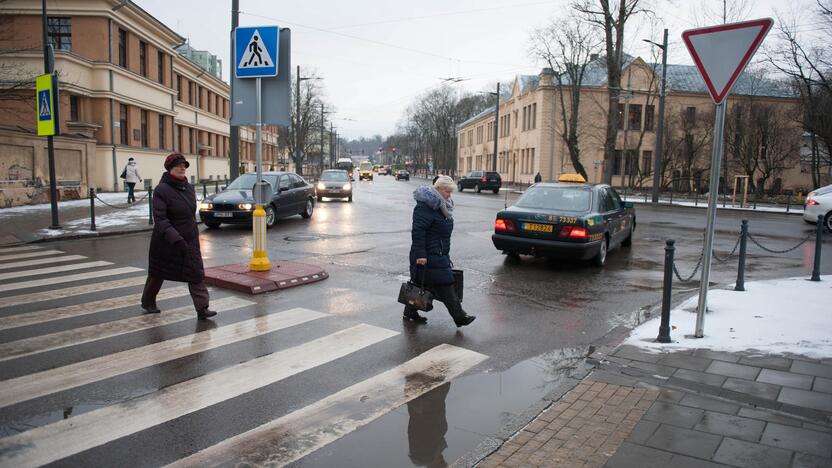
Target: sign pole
(259, 260)
(48, 66)
(716, 158)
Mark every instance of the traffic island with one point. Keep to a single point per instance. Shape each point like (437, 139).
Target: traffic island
(282, 275)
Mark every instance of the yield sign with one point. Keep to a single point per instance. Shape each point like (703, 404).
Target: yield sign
(722, 52)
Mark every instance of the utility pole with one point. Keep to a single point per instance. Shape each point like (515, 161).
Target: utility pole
(234, 133)
(296, 157)
(48, 65)
(496, 133)
(331, 148)
(657, 162)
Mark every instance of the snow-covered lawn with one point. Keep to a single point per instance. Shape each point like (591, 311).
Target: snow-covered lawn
(113, 198)
(778, 316)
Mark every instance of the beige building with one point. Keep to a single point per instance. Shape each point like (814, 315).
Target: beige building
(125, 92)
(531, 128)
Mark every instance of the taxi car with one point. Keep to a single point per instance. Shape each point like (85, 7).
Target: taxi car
(566, 219)
(365, 171)
(819, 203)
(334, 183)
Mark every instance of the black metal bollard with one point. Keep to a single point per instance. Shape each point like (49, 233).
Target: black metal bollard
(226, 181)
(92, 209)
(740, 286)
(664, 327)
(818, 243)
(150, 205)
(671, 195)
(217, 186)
(204, 191)
(789, 202)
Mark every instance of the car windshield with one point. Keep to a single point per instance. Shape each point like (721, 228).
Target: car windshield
(246, 181)
(556, 199)
(334, 176)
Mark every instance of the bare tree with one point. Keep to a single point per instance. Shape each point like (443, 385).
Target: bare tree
(16, 84)
(709, 12)
(688, 137)
(305, 125)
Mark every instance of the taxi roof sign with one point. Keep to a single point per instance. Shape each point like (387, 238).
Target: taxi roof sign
(573, 178)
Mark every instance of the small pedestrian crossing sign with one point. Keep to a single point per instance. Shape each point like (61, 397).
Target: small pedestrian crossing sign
(255, 51)
(45, 109)
(45, 105)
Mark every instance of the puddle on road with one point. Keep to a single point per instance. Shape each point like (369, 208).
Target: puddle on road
(446, 423)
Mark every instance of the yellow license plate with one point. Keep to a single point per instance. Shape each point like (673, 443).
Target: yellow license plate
(538, 227)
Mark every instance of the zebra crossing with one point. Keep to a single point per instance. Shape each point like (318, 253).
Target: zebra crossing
(35, 327)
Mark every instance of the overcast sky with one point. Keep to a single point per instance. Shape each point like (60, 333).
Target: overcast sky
(376, 56)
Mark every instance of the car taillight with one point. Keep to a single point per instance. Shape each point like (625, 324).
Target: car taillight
(811, 202)
(574, 232)
(503, 225)
(483, 179)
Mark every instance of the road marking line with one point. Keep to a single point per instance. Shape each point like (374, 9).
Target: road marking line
(68, 437)
(56, 269)
(41, 261)
(76, 336)
(291, 437)
(39, 253)
(56, 380)
(67, 278)
(77, 310)
(20, 249)
(71, 291)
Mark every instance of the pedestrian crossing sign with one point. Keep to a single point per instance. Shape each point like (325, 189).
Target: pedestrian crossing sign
(45, 105)
(255, 51)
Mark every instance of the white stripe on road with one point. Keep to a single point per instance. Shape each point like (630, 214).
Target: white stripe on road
(64, 293)
(67, 278)
(41, 261)
(76, 336)
(68, 437)
(50, 381)
(24, 248)
(39, 253)
(57, 269)
(291, 437)
(77, 310)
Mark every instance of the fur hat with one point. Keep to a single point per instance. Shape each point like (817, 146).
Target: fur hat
(175, 159)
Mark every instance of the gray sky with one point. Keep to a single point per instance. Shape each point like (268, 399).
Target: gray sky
(376, 56)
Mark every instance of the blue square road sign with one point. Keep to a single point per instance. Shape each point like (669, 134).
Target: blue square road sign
(255, 51)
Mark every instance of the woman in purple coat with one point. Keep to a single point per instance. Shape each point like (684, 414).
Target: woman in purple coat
(174, 245)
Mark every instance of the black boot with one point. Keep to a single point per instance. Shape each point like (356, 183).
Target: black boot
(413, 316)
(205, 314)
(150, 309)
(465, 320)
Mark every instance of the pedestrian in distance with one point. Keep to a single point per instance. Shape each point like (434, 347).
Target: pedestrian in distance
(174, 245)
(430, 263)
(538, 178)
(131, 178)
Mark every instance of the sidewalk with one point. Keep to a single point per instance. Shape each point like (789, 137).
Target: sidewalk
(700, 403)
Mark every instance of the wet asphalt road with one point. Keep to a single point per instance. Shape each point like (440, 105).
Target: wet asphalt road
(536, 318)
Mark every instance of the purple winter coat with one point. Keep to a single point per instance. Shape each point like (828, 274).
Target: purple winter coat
(174, 208)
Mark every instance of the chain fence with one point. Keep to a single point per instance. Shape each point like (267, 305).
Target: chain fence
(769, 250)
(123, 207)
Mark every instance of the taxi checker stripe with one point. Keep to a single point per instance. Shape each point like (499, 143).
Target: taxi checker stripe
(68, 437)
(37, 253)
(41, 261)
(300, 433)
(57, 269)
(56, 380)
(76, 336)
(67, 278)
(77, 310)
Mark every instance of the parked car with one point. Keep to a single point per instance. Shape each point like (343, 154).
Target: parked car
(566, 220)
(480, 180)
(334, 183)
(402, 175)
(291, 195)
(819, 203)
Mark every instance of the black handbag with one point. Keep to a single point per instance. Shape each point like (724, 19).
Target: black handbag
(415, 295)
(458, 283)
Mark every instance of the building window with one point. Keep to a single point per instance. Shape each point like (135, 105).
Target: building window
(634, 118)
(690, 116)
(631, 163)
(143, 58)
(616, 162)
(161, 131)
(649, 117)
(144, 129)
(479, 135)
(178, 130)
(122, 124)
(211, 102)
(178, 83)
(73, 108)
(646, 162)
(224, 108)
(160, 65)
(217, 104)
(191, 141)
(621, 116)
(60, 32)
(191, 92)
(122, 48)
(534, 115)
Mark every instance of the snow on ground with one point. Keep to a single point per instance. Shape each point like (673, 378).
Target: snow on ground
(704, 204)
(113, 198)
(777, 316)
(134, 214)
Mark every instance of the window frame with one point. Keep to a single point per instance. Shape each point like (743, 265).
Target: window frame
(160, 64)
(122, 48)
(161, 137)
(124, 124)
(143, 126)
(59, 32)
(633, 117)
(143, 58)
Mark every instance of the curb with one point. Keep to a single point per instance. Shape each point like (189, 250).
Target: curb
(91, 235)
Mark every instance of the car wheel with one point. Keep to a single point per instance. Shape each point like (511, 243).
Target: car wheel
(307, 213)
(827, 221)
(477, 188)
(459, 186)
(496, 191)
(601, 257)
(629, 240)
(320, 198)
(212, 225)
(349, 199)
(271, 216)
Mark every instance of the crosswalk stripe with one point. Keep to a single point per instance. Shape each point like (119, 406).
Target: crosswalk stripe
(77, 310)
(64, 293)
(56, 380)
(34, 253)
(76, 336)
(67, 278)
(291, 437)
(41, 261)
(64, 438)
(55, 269)
(20, 249)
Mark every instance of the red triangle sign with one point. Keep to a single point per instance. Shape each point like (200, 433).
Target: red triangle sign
(722, 52)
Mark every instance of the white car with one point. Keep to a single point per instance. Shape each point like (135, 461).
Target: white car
(819, 203)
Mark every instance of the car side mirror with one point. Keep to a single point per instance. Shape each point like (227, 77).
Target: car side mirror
(628, 204)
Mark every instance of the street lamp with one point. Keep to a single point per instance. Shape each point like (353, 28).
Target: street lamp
(297, 113)
(657, 163)
(496, 125)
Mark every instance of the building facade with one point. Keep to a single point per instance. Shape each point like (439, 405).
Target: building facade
(124, 87)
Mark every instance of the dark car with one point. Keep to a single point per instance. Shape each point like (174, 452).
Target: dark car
(402, 175)
(566, 220)
(480, 180)
(291, 195)
(334, 183)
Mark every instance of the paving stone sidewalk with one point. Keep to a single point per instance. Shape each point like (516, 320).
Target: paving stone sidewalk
(695, 408)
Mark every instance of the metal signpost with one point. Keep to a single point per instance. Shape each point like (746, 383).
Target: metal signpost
(720, 53)
(256, 56)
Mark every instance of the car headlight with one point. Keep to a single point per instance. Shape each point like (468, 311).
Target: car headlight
(321, 186)
(205, 206)
(347, 187)
(244, 206)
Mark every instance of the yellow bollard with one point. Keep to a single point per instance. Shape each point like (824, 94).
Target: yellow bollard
(259, 261)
